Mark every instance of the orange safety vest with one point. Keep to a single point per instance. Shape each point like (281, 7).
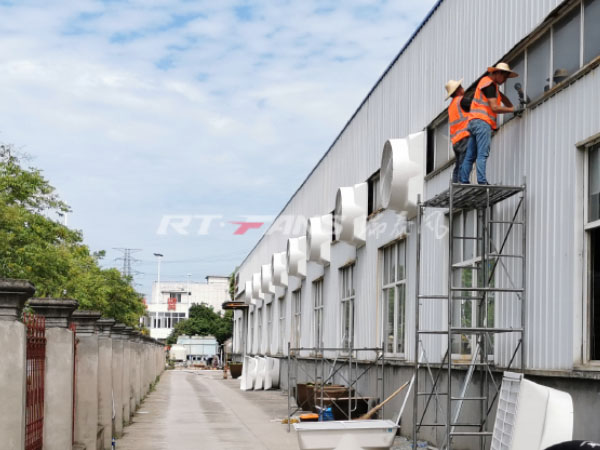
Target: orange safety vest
(480, 107)
(458, 120)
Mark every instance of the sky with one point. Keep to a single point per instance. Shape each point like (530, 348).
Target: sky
(161, 122)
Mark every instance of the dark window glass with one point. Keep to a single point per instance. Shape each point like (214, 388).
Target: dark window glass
(430, 150)
(595, 294)
(511, 84)
(566, 46)
(594, 184)
(374, 203)
(538, 67)
(591, 30)
(442, 144)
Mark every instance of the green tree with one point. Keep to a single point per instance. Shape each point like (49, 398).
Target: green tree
(204, 321)
(49, 254)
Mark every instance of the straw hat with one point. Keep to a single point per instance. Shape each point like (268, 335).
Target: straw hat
(452, 86)
(504, 68)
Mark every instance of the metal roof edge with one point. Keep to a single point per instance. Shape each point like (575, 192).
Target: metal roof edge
(362, 103)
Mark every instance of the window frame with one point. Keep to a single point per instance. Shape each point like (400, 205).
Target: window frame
(259, 328)
(251, 319)
(587, 228)
(534, 38)
(374, 200)
(296, 318)
(318, 303)
(395, 285)
(347, 301)
(282, 317)
(431, 146)
(470, 263)
(269, 327)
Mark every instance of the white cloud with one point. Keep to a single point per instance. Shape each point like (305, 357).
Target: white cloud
(134, 107)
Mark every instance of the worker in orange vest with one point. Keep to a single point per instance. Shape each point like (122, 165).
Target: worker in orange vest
(458, 119)
(487, 104)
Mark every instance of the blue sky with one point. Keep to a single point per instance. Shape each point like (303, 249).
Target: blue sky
(137, 110)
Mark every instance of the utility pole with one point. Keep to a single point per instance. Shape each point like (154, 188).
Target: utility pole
(159, 256)
(127, 259)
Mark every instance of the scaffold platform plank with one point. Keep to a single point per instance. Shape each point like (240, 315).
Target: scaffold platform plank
(473, 196)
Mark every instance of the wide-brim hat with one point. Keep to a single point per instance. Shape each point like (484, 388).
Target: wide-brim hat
(452, 86)
(503, 67)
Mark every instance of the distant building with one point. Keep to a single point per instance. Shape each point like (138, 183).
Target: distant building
(171, 301)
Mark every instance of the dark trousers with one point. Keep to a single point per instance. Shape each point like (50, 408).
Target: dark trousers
(460, 150)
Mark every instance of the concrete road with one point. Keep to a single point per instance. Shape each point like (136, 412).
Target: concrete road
(192, 410)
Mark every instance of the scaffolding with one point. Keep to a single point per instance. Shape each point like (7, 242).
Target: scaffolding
(469, 335)
(350, 366)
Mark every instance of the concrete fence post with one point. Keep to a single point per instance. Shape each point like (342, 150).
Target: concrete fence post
(105, 381)
(86, 379)
(138, 368)
(117, 375)
(127, 364)
(13, 346)
(58, 392)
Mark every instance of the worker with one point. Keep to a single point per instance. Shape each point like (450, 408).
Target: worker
(458, 120)
(486, 105)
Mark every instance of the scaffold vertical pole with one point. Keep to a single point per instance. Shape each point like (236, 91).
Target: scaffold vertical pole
(524, 273)
(449, 344)
(417, 307)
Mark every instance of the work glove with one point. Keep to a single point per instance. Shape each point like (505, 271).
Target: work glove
(519, 111)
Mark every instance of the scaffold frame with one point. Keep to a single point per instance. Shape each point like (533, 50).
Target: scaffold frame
(326, 368)
(482, 199)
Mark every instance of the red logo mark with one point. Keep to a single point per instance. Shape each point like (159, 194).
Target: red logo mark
(245, 226)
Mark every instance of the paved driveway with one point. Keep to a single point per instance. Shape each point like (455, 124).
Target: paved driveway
(199, 410)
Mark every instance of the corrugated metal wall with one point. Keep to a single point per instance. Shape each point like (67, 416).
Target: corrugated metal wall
(460, 40)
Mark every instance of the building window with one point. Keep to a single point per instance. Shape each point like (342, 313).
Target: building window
(538, 67)
(560, 51)
(593, 242)
(566, 45)
(176, 295)
(269, 327)
(318, 313)
(297, 322)
(466, 262)
(259, 325)
(374, 200)
(394, 298)
(347, 300)
(438, 145)
(251, 339)
(591, 30)
(513, 86)
(282, 335)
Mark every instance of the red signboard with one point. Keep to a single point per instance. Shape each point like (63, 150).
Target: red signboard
(172, 304)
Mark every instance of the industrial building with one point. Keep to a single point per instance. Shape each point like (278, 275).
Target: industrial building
(171, 301)
(376, 214)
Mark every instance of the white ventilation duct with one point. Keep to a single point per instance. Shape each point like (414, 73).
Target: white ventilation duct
(256, 291)
(402, 173)
(531, 416)
(296, 256)
(318, 239)
(248, 292)
(266, 284)
(351, 213)
(279, 276)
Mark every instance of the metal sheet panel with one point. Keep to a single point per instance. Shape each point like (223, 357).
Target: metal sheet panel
(406, 100)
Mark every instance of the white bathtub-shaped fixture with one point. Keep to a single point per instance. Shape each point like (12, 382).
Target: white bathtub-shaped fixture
(260, 373)
(346, 435)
